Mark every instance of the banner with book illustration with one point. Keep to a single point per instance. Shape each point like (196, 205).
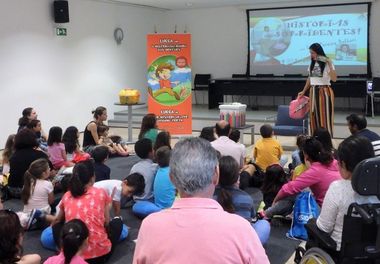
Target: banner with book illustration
(169, 81)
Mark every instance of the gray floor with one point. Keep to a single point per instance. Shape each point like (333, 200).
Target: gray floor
(278, 249)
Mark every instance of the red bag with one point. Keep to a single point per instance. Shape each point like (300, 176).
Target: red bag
(299, 108)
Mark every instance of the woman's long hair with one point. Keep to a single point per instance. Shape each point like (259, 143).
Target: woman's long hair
(9, 148)
(70, 139)
(228, 176)
(149, 121)
(274, 178)
(35, 171)
(317, 48)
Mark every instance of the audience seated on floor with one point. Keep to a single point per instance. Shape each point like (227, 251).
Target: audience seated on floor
(114, 148)
(208, 133)
(147, 168)
(274, 178)
(296, 159)
(164, 191)
(163, 139)
(236, 201)
(149, 128)
(216, 236)
(133, 184)
(25, 153)
(71, 140)
(90, 134)
(11, 242)
(56, 149)
(225, 145)
(73, 238)
(322, 171)
(37, 196)
(79, 203)
(340, 194)
(323, 135)
(7, 153)
(102, 171)
(35, 126)
(268, 150)
(357, 124)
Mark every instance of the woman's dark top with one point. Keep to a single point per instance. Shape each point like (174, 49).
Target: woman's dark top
(20, 162)
(88, 140)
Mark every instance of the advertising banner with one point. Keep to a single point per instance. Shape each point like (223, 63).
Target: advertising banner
(169, 81)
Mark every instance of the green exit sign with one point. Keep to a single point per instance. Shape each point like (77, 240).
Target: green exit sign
(61, 31)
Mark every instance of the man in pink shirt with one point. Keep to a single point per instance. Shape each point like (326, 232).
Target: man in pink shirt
(196, 229)
(225, 145)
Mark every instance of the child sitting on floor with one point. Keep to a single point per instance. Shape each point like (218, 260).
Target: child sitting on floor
(37, 195)
(146, 167)
(113, 147)
(74, 238)
(11, 234)
(268, 150)
(163, 189)
(102, 171)
(235, 200)
(275, 177)
(133, 184)
(56, 149)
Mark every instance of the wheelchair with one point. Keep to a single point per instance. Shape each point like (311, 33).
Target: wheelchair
(361, 226)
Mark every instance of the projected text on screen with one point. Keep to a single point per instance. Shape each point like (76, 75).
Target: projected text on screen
(278, 43)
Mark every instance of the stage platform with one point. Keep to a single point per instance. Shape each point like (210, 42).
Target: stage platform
(202, 116)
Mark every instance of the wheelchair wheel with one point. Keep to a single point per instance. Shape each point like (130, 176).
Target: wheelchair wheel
(316, 256)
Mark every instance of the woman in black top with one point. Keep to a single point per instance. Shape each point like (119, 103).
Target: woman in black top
(25, 153)
(90, 135)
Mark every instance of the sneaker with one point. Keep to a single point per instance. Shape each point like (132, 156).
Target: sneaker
(33, 218)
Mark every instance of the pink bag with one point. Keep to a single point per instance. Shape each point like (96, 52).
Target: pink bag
(299, 108)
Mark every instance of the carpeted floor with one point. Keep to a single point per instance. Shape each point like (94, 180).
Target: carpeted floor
(279, 248)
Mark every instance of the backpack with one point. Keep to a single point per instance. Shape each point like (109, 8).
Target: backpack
(299, 108)
(305, 208)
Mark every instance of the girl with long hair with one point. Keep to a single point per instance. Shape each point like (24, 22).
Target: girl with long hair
(74, 239)
(236, 201)
(149, 127)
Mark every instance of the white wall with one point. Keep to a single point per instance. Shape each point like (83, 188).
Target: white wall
(64, 78)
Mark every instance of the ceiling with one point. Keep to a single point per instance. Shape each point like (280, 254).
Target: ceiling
(189, 4)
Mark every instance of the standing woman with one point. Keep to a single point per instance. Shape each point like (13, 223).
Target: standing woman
(90, 135)
(321, 72)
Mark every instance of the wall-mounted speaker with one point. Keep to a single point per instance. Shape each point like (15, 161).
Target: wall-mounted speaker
(61, 11)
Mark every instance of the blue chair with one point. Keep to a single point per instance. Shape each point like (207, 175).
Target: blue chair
(286, 126)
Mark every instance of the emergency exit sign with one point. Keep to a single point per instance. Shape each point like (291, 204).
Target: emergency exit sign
(61, 31)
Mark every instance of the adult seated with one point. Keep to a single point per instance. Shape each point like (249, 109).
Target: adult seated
(225, 145)
(25, 153)
(322, 171)
(90, 134)
(196, 227)
(340, 193)
(358, 126)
